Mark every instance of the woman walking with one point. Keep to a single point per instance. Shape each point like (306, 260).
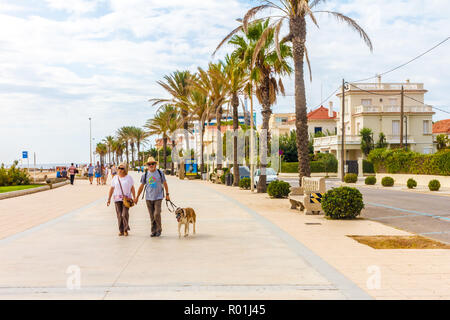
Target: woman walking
(98, 173)
(122, 188)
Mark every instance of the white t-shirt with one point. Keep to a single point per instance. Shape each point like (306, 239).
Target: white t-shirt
(127, 183)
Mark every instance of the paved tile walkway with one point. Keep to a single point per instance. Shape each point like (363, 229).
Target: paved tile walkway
(237, 254)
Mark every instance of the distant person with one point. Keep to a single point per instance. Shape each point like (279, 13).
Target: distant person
(64, 173)
(122, 186)
(105, 175)
(58, 174)
(113, 170)
(98, 173)
(91, 172)
(72, 172)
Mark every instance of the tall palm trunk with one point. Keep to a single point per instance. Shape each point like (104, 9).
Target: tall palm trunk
(138, 145)
(126, 150)
(298, 30)
(235, 104)
(172, 171)
(202, 149)
(219, 137)
(132, 153)
(266, 113)
(165, 151)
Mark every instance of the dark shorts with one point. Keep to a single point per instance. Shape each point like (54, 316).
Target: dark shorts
(90, 175)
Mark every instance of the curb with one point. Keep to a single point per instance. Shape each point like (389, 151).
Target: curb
(20, 193)
(444, 193)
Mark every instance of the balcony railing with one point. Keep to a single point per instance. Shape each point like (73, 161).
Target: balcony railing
(379, 109)
(334, 140)
(395, 139)
(387, 86)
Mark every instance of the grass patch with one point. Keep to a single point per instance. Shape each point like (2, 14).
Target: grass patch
(400, 242)
(17, 188)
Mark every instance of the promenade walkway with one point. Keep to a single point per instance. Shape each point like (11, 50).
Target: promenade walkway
(246, 247)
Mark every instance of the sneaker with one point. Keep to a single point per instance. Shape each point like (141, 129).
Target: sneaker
(153, 235)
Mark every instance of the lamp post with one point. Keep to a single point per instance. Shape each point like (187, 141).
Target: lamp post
(90, 140)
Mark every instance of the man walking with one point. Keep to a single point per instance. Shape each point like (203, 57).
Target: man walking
(154, 182)
(91, 173)
(72, 171)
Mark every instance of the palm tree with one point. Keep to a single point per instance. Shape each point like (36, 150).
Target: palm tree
(177, 85)
(296, 12)
(235, 79)
(258, 51)
(160, 125)
(123, 135)
(139, 136)
(101, 149)
(366, 140)
(109, 140)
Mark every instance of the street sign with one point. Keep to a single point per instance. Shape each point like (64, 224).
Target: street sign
(24, 154)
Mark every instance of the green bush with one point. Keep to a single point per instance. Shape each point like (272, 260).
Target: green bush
(279, 189)
(434, 185)
(387, 182)
(244, 183)
(368, 167)
(371, 180)
(411, 183)
(351, 178)
(343, 203)
(325, 162)
(13, 176)
(408, 162)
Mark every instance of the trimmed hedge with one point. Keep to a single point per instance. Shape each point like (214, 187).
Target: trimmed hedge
(368, 167)
(350, 178)
(434, 185)
(372, 180)
(244, 183)
(317, 166)
(343, 203)
(411, 183)
(387, 182)
(408, 162)
(279, 189)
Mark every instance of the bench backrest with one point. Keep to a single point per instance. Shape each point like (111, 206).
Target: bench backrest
(311, 185)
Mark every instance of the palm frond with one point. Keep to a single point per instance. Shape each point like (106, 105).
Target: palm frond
(353, 24)
(308, 63)
(260, 44)
(251, 13)
(277, 37)
(228, 37)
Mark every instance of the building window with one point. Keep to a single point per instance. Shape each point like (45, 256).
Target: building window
(317, 129)
(428, 150)
(282, 120)
(366, 102)
(395, 127)
(393, 102)
(426, 127)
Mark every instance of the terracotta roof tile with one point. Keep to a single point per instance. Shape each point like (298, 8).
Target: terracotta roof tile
(321, 113)
(442, 126)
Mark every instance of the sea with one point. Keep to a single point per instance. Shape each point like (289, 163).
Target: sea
(46, 166)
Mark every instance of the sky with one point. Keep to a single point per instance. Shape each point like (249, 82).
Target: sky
(64, 61)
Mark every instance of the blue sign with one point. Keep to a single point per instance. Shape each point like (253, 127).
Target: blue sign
(191, 167)
(24, 154)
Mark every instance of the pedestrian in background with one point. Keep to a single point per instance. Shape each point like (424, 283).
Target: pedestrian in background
(91, 173)
(98, 173)
(72, 171)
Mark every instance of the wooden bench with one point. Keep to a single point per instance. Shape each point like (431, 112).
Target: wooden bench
(307, 198)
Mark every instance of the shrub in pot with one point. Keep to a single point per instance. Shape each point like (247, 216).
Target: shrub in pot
(351, 178)
(279, 189)
(343, 203)
(387, 182)
(244, 183)
(371, 180)
(434, 185)
(411, 183)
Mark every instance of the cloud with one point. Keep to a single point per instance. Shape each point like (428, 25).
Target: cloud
(64, 61)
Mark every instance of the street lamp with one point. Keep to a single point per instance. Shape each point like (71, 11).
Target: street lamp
(90, 140)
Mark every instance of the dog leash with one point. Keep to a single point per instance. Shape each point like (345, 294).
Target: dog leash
(173, 205)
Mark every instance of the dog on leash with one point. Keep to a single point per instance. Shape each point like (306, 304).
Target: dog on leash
(185, 216)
